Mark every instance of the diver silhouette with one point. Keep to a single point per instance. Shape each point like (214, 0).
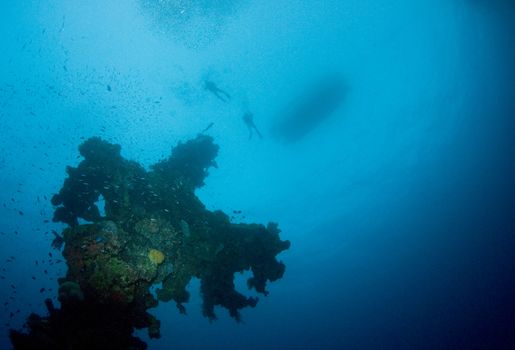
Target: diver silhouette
(221, 94)
(248, 118)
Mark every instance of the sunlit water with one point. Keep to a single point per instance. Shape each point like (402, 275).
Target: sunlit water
(399, 206)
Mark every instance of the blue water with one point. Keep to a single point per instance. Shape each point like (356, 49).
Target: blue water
(400, 205)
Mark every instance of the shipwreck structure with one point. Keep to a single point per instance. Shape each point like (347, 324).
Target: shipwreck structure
(155, 231)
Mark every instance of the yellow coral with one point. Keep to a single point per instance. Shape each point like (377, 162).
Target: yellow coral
(156, 256)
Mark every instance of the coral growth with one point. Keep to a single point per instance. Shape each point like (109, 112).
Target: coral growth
(156, 256)
(155, 231)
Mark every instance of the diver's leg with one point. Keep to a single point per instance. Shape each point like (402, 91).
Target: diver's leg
(257, 131)
(224, 93)
(217, 94)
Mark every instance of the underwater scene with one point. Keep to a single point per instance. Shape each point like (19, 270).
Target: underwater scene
(244, 174)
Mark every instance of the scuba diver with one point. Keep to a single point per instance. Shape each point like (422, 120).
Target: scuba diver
(248, 118)
(211, 86)
(207, 128)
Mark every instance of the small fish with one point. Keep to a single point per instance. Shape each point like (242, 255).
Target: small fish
(20, 212)
(42, 290)
(58, 241)
(109, 88)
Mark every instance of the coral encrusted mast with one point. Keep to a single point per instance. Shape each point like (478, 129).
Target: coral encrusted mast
(155, 230)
